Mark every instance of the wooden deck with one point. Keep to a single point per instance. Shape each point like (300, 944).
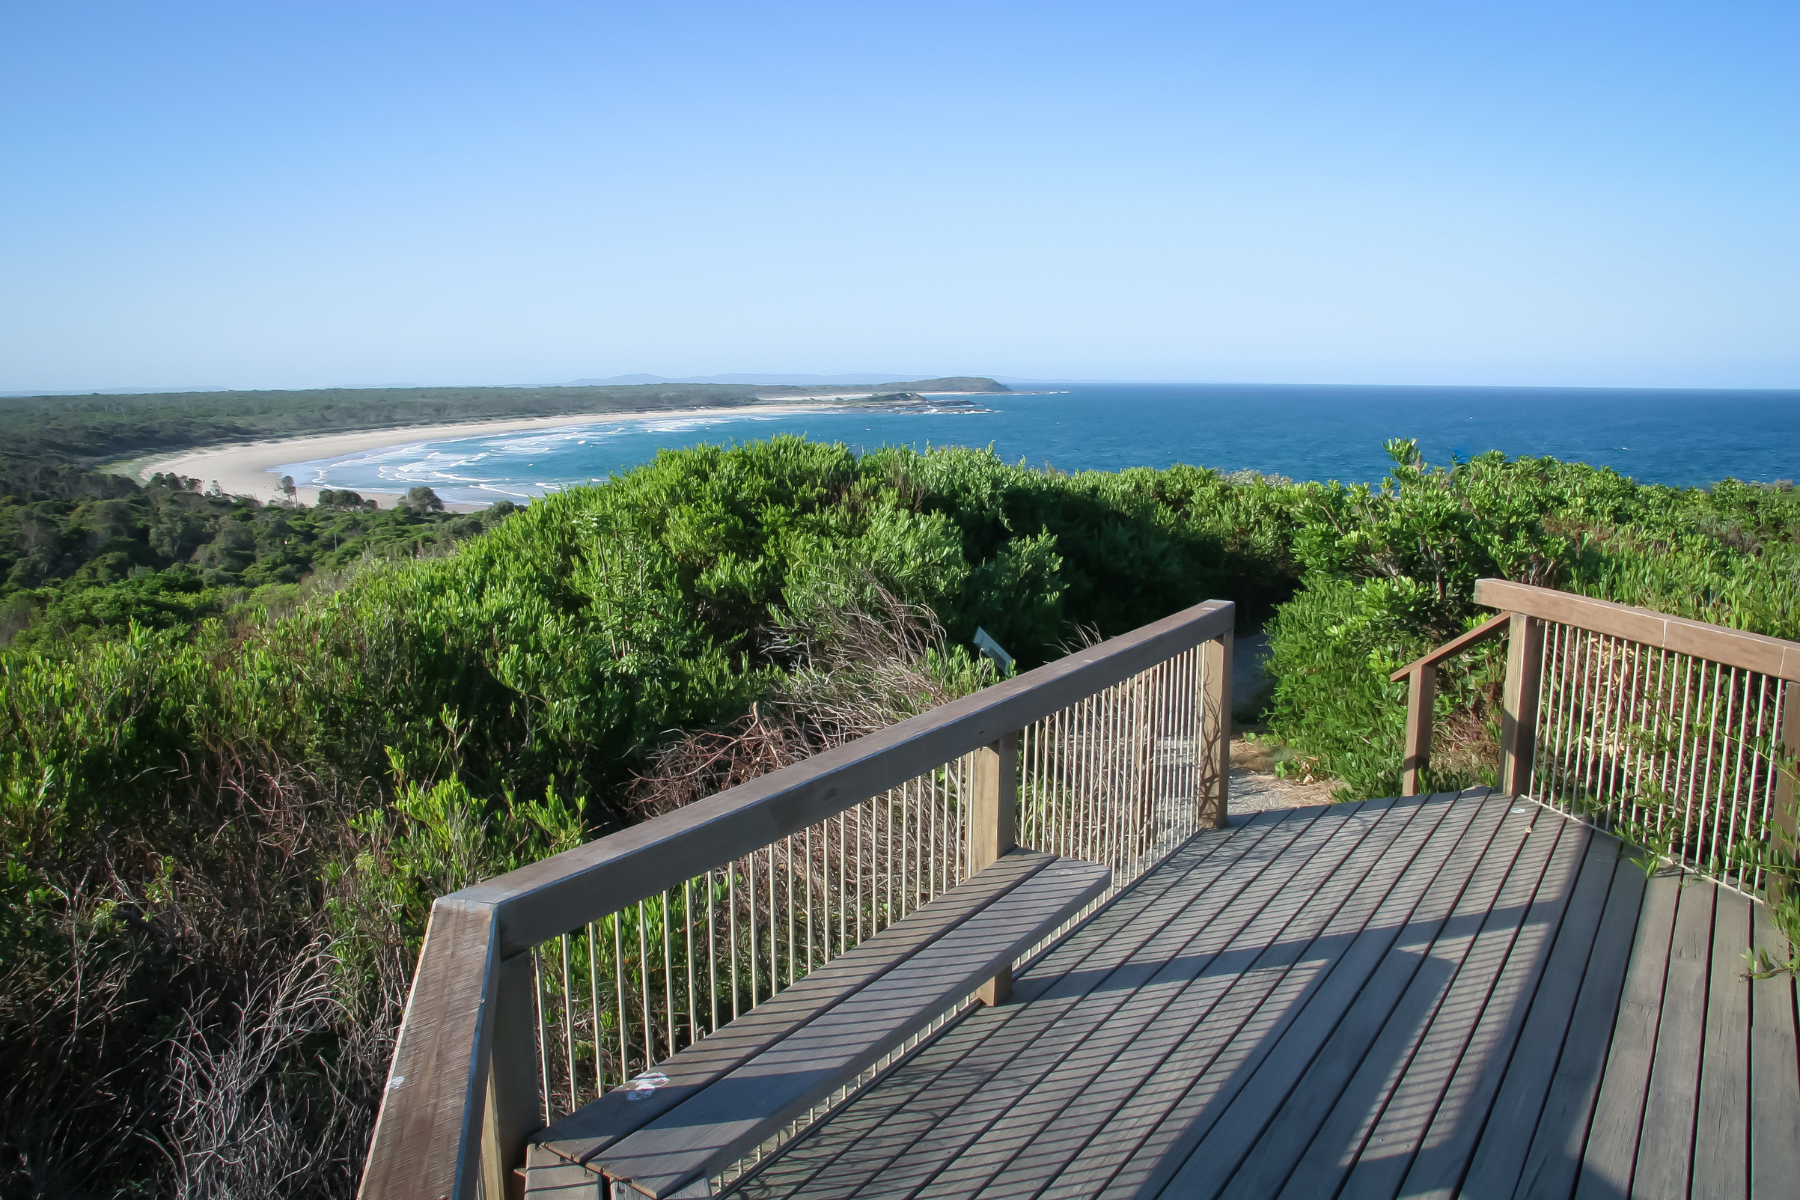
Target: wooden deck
(1433, 996)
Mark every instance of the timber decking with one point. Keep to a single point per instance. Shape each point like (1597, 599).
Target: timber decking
(1431, 996)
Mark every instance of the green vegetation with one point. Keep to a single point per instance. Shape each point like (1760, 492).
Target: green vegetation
(83, 555)
(1389, 572)
(227, 808)
(101, 427)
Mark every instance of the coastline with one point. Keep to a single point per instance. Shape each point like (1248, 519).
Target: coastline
(248, 468)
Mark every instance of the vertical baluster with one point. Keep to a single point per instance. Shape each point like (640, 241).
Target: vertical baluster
(1623, 780)
(755, 991)
(644, 990)
(593, 944)
(668, 956)
(1743, 815)
(568, 1007)
(807, 847)
(1781, 813)
(1746, 734)
(775, 886)
(1661, 738)
(1681, 765)
(618, 920)
(844, 882)
(543, 1033)
(1550, 782)
(712, 955)
(687, 926)
(861, 901)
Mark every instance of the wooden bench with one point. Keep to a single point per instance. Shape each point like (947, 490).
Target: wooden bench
(669, 1131)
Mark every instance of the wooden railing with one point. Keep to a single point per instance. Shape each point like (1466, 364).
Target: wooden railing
(538, 990)
(1676, 733)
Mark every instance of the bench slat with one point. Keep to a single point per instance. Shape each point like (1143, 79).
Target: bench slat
(585, 1133)
(719, 1124)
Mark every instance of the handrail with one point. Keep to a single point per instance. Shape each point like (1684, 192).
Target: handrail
(1421, 695)
(1492, 627)
(543, 899)
(1715, 643)
(1667, 727)
(473, 980)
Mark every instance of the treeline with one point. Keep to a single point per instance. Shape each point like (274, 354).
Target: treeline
(97, 427)
(85, 554)
(226, 827)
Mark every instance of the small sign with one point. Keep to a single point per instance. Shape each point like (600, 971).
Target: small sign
(985, 643)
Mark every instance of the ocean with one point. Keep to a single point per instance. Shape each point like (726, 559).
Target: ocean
(1683, 438)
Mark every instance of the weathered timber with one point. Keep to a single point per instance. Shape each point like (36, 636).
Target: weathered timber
(1421, 695)
(596, 1126)
(1716, 643)
(993, 828)
(1215, 781)
(1492, 627)
(1519, 702)
(559, 893)
(711, 1129)
(427, 1136)
(849, 1152)
(1774, 1074)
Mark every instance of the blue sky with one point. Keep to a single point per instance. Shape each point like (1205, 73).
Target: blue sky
(295, 195)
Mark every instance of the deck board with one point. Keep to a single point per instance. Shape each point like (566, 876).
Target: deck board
(1254, 1144)
(1665, 1150)
(1560, 1139)
(1089, 1071)
(1458, 1044)
(1231, 1039)
(1500, 1155)
(1722, 1131)
(853, 1148)
(1610, 1157)
(1435, 996)
(1339, 1142)
(1774, 1076)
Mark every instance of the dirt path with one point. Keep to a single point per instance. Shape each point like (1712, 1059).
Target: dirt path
(1255, 788)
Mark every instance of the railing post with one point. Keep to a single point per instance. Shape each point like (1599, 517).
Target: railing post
(1518, 711)
(1421, 694)
(1215, 731)
(427, 1139)
(515, 1105)
(1786, 808)
(993, 827)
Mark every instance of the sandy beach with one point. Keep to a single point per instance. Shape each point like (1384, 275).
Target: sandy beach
(253, 468)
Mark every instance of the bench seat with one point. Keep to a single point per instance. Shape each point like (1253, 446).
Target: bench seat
(674, 1127)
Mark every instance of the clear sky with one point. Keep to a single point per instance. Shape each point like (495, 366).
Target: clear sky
(316, 194)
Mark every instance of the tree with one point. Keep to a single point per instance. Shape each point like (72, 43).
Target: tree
(422, 500)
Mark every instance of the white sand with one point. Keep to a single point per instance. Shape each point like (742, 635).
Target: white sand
(253, 469)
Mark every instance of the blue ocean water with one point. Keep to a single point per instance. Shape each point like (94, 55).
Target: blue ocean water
(1683, 438)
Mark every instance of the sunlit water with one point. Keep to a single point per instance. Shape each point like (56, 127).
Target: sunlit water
(1685, 438)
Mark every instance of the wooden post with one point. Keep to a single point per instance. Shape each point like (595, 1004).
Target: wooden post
(515, 1106)
(993, 828)
(1786, 809)
(1518, 712)
(1215, 732)
(1420, 696)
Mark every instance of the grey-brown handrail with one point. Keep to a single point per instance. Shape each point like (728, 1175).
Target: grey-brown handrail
(1421, 694)
(457, 1105)
(1526, 612)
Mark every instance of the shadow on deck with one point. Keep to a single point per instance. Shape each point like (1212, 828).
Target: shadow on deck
(1432, 996)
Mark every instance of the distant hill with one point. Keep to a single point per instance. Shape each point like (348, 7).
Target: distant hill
(98, 427)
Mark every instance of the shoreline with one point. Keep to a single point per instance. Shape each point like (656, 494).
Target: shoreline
(248, 468)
